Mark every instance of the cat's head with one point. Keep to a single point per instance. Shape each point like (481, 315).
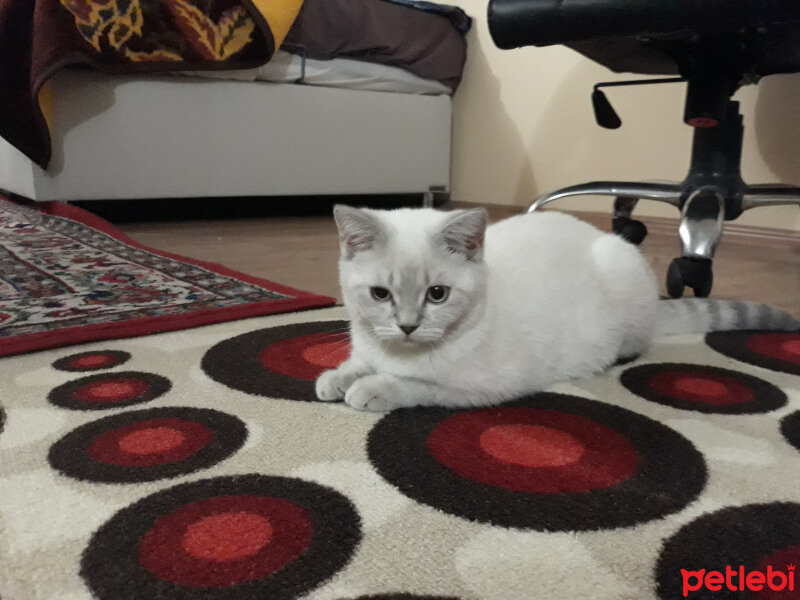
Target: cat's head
(410, 276)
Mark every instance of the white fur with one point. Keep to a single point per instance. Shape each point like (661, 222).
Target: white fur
(551, 298)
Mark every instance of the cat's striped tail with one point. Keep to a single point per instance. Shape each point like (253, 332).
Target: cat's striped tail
(698, 315)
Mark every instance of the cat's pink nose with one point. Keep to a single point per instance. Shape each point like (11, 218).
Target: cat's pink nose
(408, 329)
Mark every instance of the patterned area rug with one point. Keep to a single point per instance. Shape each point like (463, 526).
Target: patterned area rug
(67, 276)
(197, 464)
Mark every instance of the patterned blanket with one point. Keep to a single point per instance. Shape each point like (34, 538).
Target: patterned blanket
(39, 37)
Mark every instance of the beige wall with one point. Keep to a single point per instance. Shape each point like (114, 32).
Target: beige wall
(523, 125)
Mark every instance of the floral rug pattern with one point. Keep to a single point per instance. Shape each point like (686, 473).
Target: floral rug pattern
(71, 270)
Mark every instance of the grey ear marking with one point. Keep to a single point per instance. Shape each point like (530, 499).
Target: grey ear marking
(464, 233)
(358, 230)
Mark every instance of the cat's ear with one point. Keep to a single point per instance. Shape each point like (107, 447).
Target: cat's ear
(358, 230)
(464, 233)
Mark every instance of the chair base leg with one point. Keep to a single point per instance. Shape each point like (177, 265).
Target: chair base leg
(770, 195)
(661, 192)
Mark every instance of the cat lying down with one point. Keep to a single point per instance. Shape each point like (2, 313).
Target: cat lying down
(447, 311)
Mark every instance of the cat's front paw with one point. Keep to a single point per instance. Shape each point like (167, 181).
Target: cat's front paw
(332, 385)
(377, 393)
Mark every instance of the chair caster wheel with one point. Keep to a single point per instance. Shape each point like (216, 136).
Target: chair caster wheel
(629, 229)
(690, 272)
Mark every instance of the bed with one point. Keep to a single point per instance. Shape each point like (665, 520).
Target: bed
(357, 101)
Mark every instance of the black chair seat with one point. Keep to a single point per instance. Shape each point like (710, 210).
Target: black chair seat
(650, 36)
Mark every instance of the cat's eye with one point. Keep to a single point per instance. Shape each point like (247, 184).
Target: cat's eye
(438, 294)
(380, 294)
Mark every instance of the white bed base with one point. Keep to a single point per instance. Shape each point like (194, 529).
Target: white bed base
(174, 137)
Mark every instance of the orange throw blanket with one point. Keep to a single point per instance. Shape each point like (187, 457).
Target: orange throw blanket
(38, 37)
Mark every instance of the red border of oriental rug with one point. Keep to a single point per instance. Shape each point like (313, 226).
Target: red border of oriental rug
(202, 294)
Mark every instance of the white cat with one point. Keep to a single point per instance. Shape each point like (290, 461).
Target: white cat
(445, 311)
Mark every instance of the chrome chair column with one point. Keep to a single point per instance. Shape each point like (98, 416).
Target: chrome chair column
(700, 230)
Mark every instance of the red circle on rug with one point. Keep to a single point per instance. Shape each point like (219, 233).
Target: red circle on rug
(781, 346)
(306, 356)
(792, 347)
(147, 445)
(227, 536)
(108, 390)
(111, 389)
(239, 537)
(190, 547)
(550, 462)
(531, 445)
(279, 362)
(777, 351)
(91, 361)
(328, 355)
(703, 388)
(150, 442)
(707, 389)
(780, 561)
(584, 455)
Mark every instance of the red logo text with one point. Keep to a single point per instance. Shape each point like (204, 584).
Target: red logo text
(738, 580)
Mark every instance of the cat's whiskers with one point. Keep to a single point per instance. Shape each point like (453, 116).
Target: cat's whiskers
(384, 332)
(336, 333)
(334, 352)
(430, 335)
(338, 339)
(432, 344)
(335, 338)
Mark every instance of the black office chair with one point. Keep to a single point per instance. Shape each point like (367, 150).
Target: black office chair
(716, 46)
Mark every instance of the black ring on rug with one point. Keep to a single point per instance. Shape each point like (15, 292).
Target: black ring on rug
(767, 349)
(790, 428)
(405, 597)
(226, 538)
(662, 475)
(94, 360)
(146, 445)
(109, 390)
(279, 362)
(751, 536)
(702, 388)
